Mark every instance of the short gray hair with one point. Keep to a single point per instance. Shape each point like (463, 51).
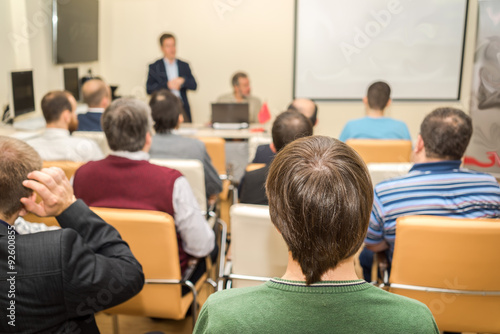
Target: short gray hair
(125, 123)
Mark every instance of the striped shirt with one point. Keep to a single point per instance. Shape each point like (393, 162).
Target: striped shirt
(438, 189)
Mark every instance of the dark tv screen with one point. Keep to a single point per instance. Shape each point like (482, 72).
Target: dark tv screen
(75, 31)
(71, 83)
(23, 96)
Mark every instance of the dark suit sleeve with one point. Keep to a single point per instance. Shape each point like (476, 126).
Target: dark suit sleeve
(190, 82)
(99, 270)
(157, 77)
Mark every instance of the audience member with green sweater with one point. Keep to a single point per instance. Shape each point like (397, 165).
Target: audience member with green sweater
(320, 199)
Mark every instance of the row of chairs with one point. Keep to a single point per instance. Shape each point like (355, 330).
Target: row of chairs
(451, 265)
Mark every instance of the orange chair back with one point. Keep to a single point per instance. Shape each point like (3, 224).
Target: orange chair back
(152, 239)
(252, 167)
(216, 149)
(455, 265)
(382, 150)
(69, 167)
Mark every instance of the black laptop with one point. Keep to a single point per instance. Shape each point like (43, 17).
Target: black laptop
(230, 115)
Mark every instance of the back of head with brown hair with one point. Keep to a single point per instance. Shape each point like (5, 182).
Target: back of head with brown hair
(165, 109)
(378, 95)
(446, 133)
(320, 199)
(288, 126)
(53, 105)
(18, 159)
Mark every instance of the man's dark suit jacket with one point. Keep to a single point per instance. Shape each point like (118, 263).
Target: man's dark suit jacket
(263, 155)
(157, 79)
(65, 276)
(252, 188)
(90, 121)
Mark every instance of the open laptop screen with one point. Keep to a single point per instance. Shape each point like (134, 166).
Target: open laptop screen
(230, 113)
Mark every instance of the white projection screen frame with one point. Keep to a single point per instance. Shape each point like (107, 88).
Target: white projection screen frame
(414, 45)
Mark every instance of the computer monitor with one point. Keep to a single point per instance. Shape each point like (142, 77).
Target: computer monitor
(72, 82)
(23, 95)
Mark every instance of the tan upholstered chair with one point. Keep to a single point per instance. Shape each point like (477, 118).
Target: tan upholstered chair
(382, 150)
(217, 151)
(258, 252)
(49, 221)
(252, 167)
(194, 173)
(69, 167)
(452, 266)
(152, 238)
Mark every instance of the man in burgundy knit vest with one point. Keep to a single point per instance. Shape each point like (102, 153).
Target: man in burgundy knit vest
(125, 179)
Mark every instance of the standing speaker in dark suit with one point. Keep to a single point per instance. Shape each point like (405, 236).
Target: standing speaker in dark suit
(171, 73)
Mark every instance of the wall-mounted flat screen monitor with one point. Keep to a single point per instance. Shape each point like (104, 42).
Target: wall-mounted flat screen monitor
(23, 96)
(71, 82)
(75, 31)
(341, 47)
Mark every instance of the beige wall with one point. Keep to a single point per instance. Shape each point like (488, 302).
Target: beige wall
(26, 43)
(255, 36)
(217, 38)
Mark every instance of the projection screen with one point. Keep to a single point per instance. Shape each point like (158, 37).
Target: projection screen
(343, 46)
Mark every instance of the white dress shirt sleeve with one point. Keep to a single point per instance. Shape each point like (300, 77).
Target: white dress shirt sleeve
(198, 238)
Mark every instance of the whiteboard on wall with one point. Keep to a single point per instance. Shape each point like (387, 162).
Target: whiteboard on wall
(414, 45)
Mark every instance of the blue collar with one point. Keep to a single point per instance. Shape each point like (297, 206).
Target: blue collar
(440, 166)
(8, 226)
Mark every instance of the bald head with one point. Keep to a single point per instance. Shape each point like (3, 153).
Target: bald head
(306, 107)
(96, 93)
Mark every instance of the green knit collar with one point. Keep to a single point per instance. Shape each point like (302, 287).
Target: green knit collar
(318, 287)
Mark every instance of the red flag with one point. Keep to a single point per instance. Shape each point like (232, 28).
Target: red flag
(264, 114)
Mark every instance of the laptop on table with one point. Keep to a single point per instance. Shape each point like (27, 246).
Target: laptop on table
(230, 116)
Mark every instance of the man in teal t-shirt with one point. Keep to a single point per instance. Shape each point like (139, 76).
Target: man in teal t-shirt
(375, 125)
(320, 198)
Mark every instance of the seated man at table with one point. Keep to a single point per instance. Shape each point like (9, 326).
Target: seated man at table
(436, 185)
(97, 95)
(375, 125)
(287, 127)
(55, 281)
(320, 197)
(265, 153)
(56, 143)
(125, 179)
(167, 114)
(241, 94)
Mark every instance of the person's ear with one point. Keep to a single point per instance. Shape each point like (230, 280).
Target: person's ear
(419, 146)
(365, 101)
(67, 116)
(180, 121)
(272, 147)
(388, 103)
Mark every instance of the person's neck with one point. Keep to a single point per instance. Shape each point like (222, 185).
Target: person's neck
(374, 113)
(57, 125)
(238, 96)
(10, 220)
(170, 60)
(344, 271)
(424, 159)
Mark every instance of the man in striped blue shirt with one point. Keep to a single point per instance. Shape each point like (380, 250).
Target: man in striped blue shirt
(436, 185)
